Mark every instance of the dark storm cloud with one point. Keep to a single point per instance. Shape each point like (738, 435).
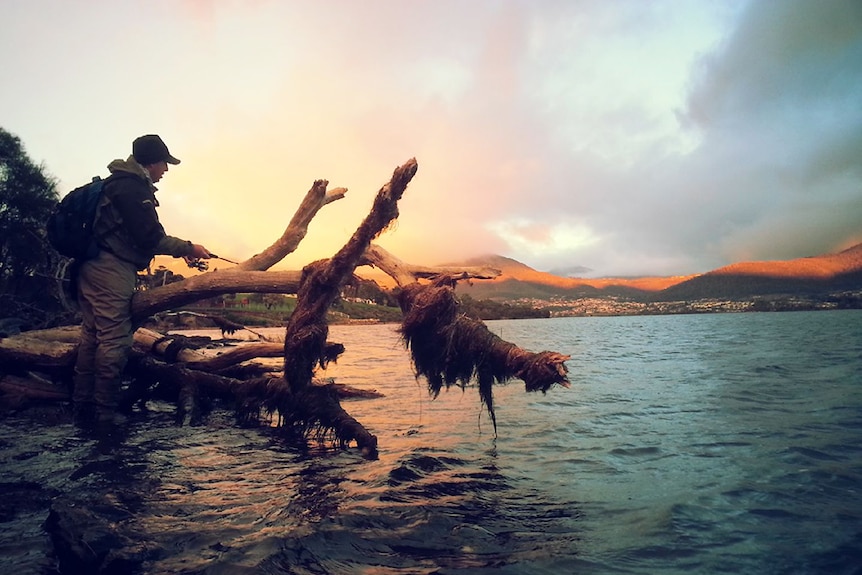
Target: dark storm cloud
(778, 107)
(777, 170)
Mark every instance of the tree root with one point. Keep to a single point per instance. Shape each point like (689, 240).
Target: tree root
(449, 348)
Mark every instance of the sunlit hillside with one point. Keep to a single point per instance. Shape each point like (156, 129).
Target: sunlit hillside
(514, 270)
(818, 267)
(841, 271)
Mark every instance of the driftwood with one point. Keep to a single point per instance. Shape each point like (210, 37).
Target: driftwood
(24, 351)
(446, 347)
(305, 338)
(37, 350)
(406, 274)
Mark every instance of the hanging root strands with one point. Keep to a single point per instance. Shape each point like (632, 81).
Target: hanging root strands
(449, 348)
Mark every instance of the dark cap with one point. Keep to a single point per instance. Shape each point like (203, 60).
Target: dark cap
(150, 149)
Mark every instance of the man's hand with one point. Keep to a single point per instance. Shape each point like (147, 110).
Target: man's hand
(193, 260)
(199, 252)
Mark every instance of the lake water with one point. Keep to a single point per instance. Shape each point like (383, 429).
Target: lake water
(726, 443)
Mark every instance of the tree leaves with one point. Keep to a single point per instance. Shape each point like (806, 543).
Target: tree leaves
(27, 196)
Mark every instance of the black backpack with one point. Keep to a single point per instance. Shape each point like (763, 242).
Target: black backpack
(70, 227)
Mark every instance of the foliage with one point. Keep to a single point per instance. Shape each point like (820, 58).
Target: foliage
(28, 267)
(370, 292)
(367, 311)
(255, 311)
(158, 277)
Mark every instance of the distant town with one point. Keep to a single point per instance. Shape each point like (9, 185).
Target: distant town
(609, 305)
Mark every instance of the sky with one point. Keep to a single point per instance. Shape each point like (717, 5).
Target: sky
(597, 138)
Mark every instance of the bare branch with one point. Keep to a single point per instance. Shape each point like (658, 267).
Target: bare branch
(316, 198)
(404, 273)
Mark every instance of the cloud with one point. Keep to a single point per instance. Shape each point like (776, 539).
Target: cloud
(764, 162)
(781, 127)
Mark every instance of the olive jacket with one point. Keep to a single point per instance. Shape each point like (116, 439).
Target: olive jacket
(127, 224)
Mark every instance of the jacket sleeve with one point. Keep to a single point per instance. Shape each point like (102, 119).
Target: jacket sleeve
(171, 246)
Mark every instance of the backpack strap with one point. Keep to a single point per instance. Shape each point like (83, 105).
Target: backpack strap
(100, 236)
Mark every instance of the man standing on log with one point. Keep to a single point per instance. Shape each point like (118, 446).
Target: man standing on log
(129, 234)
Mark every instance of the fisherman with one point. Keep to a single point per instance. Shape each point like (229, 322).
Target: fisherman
(129, 234)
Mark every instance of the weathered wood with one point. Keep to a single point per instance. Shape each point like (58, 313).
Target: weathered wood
(248, 276)
(239, 354)
(24, 351)
(159, 344)
(405, 274)
(15, 390)
(251, 396)
(306, 332)
(195, 288)
(63, 334)
(150, 341)
(321, 283)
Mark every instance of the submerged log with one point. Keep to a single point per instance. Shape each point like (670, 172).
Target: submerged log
(92, 536)
(251, 396)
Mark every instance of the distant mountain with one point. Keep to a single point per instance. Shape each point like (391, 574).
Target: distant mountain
(521, 281)
(827, 273)
(822, 274)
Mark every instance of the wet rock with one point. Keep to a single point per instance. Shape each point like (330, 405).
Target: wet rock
(92, 541)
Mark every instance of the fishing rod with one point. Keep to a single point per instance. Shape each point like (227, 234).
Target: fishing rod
(212, 255)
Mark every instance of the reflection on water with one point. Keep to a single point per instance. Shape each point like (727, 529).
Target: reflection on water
(686, 444)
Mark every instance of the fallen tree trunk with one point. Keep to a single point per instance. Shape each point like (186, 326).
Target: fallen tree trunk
(316, 198)
(25, 351)
(406, 274)
(35, 350)
(176, 348)
(446, 348)
(195, 288)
